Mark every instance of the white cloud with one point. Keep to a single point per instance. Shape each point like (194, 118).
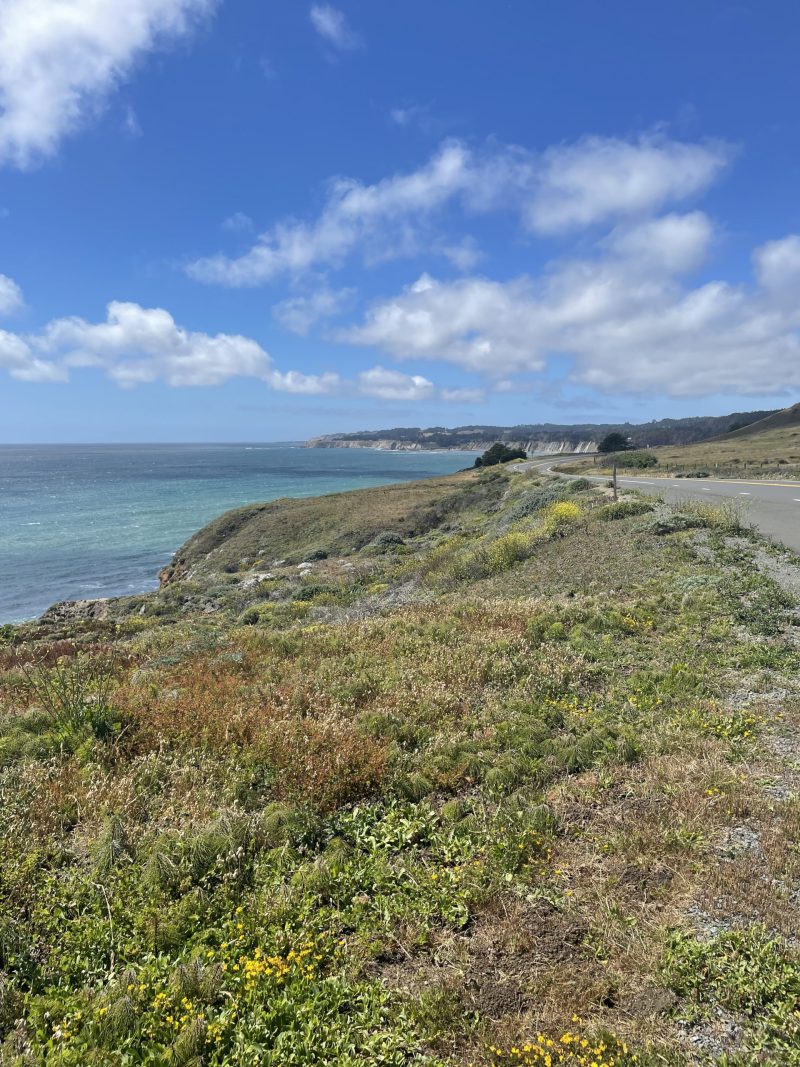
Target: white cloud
(463, 396)
(300, 313)
(238, 222)
(392, 385)
(136, 345)
(17, 358)
(673, 243)
(583, 184)
(404, 116)
(777, 267)
(331, 25)
(600, 178)
(309, 384)
(381, 219)
(131, 122)
(463, 254)
(476, 323)
(59, 60)
(623, 319)
(10, 296)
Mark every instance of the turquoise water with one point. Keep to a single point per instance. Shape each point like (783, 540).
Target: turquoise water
(102, 520)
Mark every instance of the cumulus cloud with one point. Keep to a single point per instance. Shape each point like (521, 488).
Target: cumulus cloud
(392, 385)
(624, 318)
(583, 184)
(331, 24)
(599, 178)
(379, 219)
(777, 267)
(136, 345)
(478, 324)
(673, 243)
(10, 296)
(20, 361)
(60, 60)
(300, 313)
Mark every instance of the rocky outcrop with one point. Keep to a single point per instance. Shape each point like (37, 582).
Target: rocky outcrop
(74, 610)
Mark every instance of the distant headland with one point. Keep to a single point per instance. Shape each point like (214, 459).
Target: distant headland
(540, 437)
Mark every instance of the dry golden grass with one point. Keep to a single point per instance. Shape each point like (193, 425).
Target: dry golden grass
(769, 451)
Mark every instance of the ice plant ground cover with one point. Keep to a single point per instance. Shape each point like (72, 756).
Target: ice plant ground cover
(488, 770)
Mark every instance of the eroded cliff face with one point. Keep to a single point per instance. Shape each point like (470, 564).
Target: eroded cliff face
(546, 447)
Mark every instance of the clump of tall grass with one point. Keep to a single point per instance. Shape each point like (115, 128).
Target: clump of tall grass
(730, 516)
(727, 517)
(74, 694)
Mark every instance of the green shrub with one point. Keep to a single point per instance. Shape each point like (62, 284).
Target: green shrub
(636, 460)
(624, 509)
(675, 522)
(535, 500)
(386, 542)
(315, 556)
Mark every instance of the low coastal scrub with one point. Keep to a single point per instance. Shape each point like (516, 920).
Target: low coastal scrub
(492, 784)
(633, 460)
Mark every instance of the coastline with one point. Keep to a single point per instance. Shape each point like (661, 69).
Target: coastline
(94, 523)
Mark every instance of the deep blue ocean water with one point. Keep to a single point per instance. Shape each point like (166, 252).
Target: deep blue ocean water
(101, 520)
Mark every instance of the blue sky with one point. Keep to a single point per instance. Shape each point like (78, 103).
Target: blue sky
(267, 219)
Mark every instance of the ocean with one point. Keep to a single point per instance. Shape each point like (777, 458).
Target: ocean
(82, 521)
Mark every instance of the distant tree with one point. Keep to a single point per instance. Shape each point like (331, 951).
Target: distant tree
(499, 453)
(614, 442)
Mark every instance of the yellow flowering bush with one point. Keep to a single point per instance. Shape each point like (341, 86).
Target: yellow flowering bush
(569, 1049)
(506, 551)
(562, 514)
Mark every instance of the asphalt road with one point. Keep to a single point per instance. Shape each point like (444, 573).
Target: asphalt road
(772, 507)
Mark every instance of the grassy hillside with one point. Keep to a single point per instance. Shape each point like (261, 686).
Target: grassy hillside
(768, 448)
(789, 418)
(507, 777)
(291, 529)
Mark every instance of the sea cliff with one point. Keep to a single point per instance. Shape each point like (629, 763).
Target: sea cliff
(474, 444)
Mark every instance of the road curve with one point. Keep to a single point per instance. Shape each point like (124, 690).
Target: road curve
(772, 507)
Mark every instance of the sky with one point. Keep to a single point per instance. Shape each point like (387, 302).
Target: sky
(257, 220)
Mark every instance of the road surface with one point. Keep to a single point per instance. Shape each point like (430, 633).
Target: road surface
(773, 507)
